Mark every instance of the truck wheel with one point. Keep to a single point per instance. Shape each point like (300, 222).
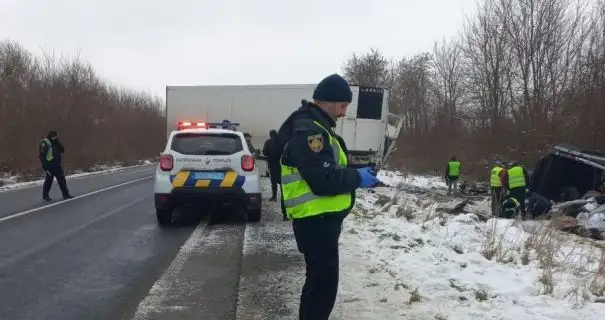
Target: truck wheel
(253, 215)
(164, 217)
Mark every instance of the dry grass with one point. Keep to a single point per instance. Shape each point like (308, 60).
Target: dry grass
(414, 297)
(555, 253)
(495, 247)
(597, 285)
(546, 244)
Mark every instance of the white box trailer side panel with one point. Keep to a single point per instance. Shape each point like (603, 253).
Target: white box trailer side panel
(260, 108)
(364, 127)
(257, 108)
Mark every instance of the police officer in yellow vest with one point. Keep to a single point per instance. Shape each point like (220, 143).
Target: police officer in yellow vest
(509, 208)
(51, 151)
(318, 190)
(516, 180)
(495, 181)
(452, 174)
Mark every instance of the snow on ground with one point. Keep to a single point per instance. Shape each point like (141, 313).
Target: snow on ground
(414, 261)
(8, 181)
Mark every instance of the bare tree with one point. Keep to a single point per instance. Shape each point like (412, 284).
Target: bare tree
(99, 123)
(488, 65)
(371, 69)
(410, 92)
(448, 78)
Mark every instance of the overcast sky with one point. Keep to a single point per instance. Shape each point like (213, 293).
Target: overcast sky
(148, 44)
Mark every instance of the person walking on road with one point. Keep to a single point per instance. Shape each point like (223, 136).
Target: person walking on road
(51, 151)
(516, 180)
(318, 190)
(452, 173)
(270, 151)
(495, 181)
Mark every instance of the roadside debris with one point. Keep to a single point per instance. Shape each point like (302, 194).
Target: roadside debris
(411, 252)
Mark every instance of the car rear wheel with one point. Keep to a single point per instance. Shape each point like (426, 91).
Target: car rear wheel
(164, 217)
(253, 215)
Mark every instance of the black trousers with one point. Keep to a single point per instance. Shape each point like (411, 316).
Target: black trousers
(274, 172)
(317, 239)
(496, 200)
(519, 194)
(51, 174)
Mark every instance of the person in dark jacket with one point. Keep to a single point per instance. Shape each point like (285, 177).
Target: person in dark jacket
(273, 154)
(51, 151)
(318, 190)
(537, 205)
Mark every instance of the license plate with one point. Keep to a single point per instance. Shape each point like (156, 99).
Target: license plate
(209, 175)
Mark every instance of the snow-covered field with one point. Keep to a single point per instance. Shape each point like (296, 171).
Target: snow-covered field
(11, 181)
(413, 260)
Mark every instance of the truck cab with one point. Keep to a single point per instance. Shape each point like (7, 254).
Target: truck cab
(368, 128)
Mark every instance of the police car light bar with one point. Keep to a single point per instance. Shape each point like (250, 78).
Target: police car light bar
(223, 125)
(191, 124)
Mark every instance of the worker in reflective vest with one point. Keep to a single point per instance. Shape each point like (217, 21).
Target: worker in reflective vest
(452, 173)
(51, 151)
(495, 182)
(510, 208)
(516, 180)
(318, 190)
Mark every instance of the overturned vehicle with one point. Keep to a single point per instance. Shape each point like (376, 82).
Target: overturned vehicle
(568, 173)
(574, 178)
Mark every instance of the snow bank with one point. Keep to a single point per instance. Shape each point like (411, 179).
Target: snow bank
(414, 262)
(395, 178)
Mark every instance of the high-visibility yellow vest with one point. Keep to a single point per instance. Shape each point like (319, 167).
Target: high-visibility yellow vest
(453, 168)
(515, 203)
(49, 151)
(516, 178)
(300, 201)
(494, 180)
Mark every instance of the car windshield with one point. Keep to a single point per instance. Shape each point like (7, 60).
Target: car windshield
(206, 144)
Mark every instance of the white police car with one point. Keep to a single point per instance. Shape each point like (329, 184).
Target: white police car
(202, 163)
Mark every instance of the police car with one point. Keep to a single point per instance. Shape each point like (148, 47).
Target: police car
(205, 162)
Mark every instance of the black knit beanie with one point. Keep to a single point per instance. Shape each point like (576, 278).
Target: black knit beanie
(333, 88)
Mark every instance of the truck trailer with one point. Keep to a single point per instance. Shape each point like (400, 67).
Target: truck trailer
(369, 129)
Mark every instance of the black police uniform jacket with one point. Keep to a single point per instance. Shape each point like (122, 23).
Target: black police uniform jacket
(317, 168)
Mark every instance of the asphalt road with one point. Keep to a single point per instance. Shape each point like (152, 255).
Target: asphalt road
(102, 256)
(18, 200)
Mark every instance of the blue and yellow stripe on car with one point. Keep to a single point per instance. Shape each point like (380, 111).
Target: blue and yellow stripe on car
(184, 179)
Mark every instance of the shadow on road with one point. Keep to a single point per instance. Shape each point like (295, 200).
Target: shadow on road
(217, 214)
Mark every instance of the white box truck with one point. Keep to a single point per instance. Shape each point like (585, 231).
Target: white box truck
(368, 129)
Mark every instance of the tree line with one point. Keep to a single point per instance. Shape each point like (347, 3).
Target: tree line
(99, 123)
(521, 77)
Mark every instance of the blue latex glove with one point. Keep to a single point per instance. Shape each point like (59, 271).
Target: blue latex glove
(367, 177)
